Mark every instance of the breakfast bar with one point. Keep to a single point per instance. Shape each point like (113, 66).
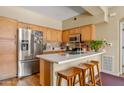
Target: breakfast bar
(52, 63)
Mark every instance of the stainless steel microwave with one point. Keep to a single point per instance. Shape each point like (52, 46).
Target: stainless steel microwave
(75, 38)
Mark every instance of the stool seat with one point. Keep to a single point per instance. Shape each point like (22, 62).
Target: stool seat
(83, 66)
(69, 74)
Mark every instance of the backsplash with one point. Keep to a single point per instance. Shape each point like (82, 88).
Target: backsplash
(47, 46)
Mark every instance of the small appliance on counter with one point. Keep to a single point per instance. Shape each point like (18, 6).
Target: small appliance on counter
(30, 44)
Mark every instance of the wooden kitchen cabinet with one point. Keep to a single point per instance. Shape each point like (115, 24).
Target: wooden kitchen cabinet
(8, 28)
(48, 33)
(74, 31)
(71, 32)
(65, 36)
(54, 35)
(77, 30)
(8, 48)
(88, 33)
(59, 36)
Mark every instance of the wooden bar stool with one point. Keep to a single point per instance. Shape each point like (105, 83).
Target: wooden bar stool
(69, 75)
(96, 78)
(85, 68)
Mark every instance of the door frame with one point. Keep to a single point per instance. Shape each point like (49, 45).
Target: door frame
(120, 30)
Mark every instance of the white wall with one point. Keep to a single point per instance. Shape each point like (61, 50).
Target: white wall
(27, 16)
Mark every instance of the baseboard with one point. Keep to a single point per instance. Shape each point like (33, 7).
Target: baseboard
(115, 74)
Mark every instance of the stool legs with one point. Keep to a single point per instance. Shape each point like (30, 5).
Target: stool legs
(74, 80)
(80, 79)
(93, 76)
(100, 83)
(96, 80)
(59, 80)
(84, 77)
(69, 82)
(91, 80)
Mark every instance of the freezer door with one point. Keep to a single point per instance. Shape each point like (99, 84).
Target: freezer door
(38, 42)
(28, 68)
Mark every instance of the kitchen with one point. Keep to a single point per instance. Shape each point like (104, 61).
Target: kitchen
(62, 48)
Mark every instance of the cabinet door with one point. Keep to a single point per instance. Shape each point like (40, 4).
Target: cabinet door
(86, 33)
(8, 59)
(65, 36)
(8, 28)
(71, 31)
(59, 37)
(48, 33)
(54, 35)
(93, 33)
(77, 30)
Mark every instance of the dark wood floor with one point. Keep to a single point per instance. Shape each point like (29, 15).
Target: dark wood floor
(32, 80)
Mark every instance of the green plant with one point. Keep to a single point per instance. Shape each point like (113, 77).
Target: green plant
(96, 44)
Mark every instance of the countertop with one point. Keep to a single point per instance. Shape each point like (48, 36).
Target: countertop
(53, 50)
(65, 58)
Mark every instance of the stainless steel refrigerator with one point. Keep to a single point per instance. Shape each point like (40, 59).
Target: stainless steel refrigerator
(30, 44)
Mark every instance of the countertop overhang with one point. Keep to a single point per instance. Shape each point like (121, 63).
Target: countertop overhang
(66, 58)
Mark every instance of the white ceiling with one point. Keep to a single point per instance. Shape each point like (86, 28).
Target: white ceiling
(57, 12)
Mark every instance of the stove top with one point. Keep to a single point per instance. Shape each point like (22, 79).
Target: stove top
(75, 52)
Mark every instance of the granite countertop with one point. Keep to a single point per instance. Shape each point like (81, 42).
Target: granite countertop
(65, 58)
(54, 50)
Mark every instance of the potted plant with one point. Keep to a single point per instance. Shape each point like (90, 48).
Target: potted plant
(96, 45)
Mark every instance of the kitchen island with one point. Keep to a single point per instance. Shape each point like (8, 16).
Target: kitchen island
(52, 63)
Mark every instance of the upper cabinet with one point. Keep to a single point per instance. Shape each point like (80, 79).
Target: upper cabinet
(59, 36)
(74, 31)
(8, 28)
(87, 33)
(65, 36)
(49, 34)
(54, 35)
